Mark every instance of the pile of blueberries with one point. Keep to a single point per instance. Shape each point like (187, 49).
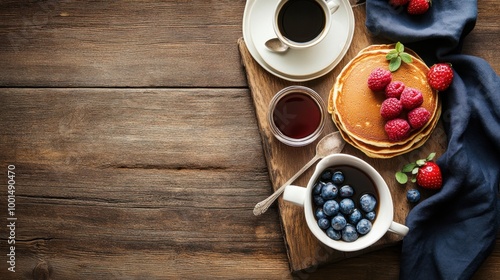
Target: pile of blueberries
(336, 211)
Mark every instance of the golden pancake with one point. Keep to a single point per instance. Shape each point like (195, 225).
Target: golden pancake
(426, 130)
(355, 108)
(380, 152)
(365, 50)
(358, 107)
(396, 147)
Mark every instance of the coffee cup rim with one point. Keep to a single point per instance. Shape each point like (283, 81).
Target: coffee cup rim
(302, 45)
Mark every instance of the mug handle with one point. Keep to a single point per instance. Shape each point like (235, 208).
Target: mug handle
(398, 228)
(295, 194)
(332, 5)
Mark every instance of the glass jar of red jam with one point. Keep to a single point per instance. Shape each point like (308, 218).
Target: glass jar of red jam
(296, 115)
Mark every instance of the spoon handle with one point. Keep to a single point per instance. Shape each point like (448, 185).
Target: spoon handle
(262, 206)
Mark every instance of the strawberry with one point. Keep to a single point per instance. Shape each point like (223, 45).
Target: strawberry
(429, 176)
(418, 7)
(440, 76)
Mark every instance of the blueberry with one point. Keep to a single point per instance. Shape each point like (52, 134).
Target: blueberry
(371, 215)
(355, 217)
(333, 234)
(324, 223)
(329, 191)
(338, 177)
(346, 191)
(347, 206)
(364, 226)
(367, 202)
(331, 208)
(413, 195)
(338, 222)
(326, 176)
(319, 214)
(349, 233)
(317, 188)
(318, 200)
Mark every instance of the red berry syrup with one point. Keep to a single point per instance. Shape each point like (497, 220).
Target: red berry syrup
(297, 115)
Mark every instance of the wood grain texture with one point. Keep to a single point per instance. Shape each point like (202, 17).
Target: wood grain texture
(137, 149)
(144, 44)
(120, 43)
(137, 183)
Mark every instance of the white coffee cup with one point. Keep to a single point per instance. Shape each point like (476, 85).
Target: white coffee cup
(383, 222)
(302, 24)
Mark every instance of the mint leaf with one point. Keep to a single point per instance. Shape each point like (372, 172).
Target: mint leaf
(396, 56)
(431, 156)
(421, 162)
(406, 57)
(400, 47)
(409, 167)
(392, 54)
(394, 64)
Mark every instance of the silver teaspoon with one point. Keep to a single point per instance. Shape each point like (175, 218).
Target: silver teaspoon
(330, 144)
(276, 45)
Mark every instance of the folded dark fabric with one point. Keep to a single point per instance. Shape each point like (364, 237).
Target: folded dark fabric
(453, 231)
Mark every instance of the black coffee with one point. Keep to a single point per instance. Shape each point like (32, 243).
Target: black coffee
(301, 20)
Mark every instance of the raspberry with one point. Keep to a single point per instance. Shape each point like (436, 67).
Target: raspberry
(397, 129)
(418, 117)
(394, 89)
(391, 108)
(411, 98)
(379, 79)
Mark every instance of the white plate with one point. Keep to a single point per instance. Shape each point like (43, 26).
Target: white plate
(296, 65)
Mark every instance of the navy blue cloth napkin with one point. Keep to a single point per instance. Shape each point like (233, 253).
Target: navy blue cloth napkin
(453, 231)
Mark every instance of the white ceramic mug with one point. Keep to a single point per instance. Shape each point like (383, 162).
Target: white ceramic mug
(384, 217)
(307, 21)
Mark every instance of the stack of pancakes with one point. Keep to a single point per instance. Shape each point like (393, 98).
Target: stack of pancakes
(355, 108)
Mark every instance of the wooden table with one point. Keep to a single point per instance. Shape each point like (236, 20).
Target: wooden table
(132, 134)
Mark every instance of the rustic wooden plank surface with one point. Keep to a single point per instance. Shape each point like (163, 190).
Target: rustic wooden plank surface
(145, 44)
(134, 183)
(158, 181)
(120, 43)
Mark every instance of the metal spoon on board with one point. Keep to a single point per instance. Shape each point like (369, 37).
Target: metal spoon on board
(276, 45)
(330, 144)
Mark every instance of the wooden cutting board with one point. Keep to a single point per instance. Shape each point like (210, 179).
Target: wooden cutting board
(304, 250)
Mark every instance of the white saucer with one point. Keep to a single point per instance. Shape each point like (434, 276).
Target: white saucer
(296, 65)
